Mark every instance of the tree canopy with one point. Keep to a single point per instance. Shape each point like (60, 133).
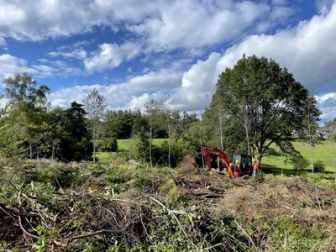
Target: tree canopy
(261, 104)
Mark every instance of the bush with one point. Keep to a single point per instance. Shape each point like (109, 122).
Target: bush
(299, 163)
(178, 149)
(108, 144)
(319, 166)
(143, 182)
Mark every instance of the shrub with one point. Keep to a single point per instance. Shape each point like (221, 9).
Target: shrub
(319, 166)
(178, 149)
(170, 190)
(143, 182)
(299, 163)
(108, 144)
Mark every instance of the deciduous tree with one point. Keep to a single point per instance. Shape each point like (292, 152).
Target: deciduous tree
(28, 103)
(263, 105)
(95, 108)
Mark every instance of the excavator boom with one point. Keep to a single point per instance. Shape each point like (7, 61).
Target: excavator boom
(208, 152)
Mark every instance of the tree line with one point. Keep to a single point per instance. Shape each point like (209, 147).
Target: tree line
(257, 104)
(30, 127)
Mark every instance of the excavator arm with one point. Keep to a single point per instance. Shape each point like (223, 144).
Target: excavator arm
(208, 152)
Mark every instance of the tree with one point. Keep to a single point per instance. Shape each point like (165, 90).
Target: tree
(263, 105)
(27, 108)
(95, 107)
(156, 118)
(74, 136)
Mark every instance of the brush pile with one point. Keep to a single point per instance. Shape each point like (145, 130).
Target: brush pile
(50, 206)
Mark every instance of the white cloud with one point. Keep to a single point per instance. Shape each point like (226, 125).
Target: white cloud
(196, 86)
(327, 104)
(307, 51)
(191, 24)
(78, 53)
(122, 95)
(110, 56)
(2, 41)
(323, 6)
(11, 65)
(138, 102)
(164, 25)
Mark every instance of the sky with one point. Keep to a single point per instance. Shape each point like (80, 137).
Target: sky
(170, 50)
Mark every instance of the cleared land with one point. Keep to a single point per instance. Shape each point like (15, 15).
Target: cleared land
(122, 206)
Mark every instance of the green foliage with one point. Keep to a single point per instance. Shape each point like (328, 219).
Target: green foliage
(318, 166)
(250, 98)
(178, 149)
(299, 163)
(123, 124)
(331, 123)
(95, 106)
(142, 182)
(28, 108)
(45, 237)
(286, 235)
(170, 190)
(160, 153)
(142, 149)
(321, 151)
(118, 175)
(75, 141)
(108, 144)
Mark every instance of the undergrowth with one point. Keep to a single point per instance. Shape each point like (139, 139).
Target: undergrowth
(48, 205)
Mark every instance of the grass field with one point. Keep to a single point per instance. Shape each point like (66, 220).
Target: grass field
(324, 151)
(128, 144)
(124, 146)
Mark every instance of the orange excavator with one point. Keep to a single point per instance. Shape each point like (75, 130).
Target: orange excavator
(244, 160)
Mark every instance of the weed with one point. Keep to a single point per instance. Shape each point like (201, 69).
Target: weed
(142, 182)
(170, 190)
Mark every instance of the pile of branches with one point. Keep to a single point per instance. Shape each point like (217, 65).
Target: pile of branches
(66, 221)
(71, 220)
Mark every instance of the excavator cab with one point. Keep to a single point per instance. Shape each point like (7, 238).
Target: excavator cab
(245, 163)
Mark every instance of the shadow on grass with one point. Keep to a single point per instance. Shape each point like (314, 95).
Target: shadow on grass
(269, 169)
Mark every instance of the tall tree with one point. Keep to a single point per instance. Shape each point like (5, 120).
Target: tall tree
(156, 118)
(95, 107)
(74, 135)
(263, 105)
(28, 103)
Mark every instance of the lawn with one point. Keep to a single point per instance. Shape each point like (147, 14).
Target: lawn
(324, 151)
(124, 146)
(275, 164)
(128, 144)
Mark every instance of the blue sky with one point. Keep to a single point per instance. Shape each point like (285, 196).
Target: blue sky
(172, 50)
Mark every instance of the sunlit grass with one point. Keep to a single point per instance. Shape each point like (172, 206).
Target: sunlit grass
(324, 151)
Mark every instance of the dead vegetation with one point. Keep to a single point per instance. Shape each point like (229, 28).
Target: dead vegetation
(65, 207)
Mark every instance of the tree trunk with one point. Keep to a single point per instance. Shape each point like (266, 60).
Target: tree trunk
(247, 132)
(94, 153)
(150, 145)
(259, 158)
(94, 139)
(221, 130)
(53, 152)
(169, 144)
(30, 151)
